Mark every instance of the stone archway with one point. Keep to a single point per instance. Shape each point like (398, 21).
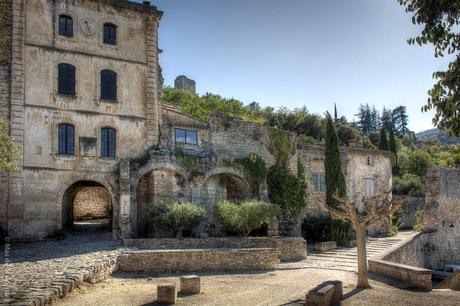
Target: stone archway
(86, 204)
(158, 186)
(225, 184)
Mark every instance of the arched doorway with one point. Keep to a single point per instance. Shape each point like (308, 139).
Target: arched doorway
(226, 186)
(87, 205)
(158, 186)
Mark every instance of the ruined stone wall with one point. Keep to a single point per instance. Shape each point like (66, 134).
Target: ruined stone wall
(91, 203)
(234, 138)
(442, 213)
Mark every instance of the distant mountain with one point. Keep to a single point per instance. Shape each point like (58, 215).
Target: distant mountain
(441, 136)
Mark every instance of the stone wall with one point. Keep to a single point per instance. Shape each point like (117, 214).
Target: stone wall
(91, 203)
(410, 209)
(442, 213)
(404, 262)
(292, 248)
(175, 261)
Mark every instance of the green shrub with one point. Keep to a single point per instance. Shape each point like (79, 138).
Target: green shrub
(246, 216)
(177, 216)
(324, 228)
(396, 222)
(419, 220)
(408, 183)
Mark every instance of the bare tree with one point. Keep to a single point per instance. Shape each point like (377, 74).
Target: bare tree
(375, 209)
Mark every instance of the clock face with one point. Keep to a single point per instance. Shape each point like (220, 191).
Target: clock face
(88, 27)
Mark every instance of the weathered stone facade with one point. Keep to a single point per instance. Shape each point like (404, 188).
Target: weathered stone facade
(150, 165)
(36, 190)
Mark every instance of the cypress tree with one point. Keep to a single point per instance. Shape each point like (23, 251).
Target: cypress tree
(335, 178)
(335, 113)
(392, 148)
(383, 144)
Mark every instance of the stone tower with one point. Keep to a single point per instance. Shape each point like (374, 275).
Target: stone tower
(182, 82)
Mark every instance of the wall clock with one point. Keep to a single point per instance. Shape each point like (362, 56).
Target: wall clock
(88, 27)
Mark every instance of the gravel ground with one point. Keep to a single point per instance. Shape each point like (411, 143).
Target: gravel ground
(38, 264)
(256, 288)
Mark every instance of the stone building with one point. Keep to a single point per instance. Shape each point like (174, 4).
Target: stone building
(80, 86)
(182, 82)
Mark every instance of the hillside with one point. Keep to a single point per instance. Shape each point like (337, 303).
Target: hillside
(441, 136)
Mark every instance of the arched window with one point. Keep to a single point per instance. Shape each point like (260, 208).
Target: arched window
(108, 142)
(108, 85)
(65, 26)
(110, 34)
(66, 138)
(66, 79)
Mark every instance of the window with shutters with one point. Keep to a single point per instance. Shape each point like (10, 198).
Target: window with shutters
(318, 181)
(65, 26)
(110, 34)
(369, 187)
(108, 142)
(183, 136)
(108, 85)
(66, 139)
(66, 79)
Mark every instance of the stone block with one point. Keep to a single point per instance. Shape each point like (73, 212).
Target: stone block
(320, 296)
(325, 294)
(325, 246)
(190, 284)
(166, 294)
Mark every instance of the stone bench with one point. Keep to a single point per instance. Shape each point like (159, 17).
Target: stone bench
(325, 246)
(325, 294)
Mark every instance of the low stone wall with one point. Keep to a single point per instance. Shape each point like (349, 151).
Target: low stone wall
(291, 248)
(404, 262)
(193, 260)
(419, 278)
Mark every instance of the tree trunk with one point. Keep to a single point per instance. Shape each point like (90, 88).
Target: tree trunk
(363, 279)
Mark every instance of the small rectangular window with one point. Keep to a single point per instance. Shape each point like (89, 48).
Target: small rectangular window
(110, 34)
(66, 139)
(314, 181)
(369, 187)
(65, 26)
(322, 182)
(183, 136)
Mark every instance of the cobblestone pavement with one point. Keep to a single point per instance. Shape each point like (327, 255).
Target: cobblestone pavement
(345, 259)
(44, 271)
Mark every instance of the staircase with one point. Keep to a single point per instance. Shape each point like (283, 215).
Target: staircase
(345, 259)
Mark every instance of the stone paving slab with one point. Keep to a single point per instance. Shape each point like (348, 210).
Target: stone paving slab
(40, 273)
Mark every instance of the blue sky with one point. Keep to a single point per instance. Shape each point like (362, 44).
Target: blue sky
(300, 52)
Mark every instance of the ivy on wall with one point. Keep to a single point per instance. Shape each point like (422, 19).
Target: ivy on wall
(281, 147)
(255, 172)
